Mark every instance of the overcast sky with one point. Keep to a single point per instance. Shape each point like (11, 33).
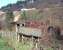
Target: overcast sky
(5, 2)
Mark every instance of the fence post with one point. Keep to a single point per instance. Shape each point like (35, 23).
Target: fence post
(22, 38)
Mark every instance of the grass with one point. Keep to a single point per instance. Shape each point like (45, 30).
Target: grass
(4, 45)
(50, 49)
(23, 46)
(15, 44)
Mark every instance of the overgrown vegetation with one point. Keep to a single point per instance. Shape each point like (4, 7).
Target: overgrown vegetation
(9, 19)
(24, 46)
(54, 15)
(9, 44)
(4, 45)
(31, 15)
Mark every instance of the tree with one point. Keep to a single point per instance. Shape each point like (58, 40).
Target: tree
(24, 15)
(9, 18)
(30, 15)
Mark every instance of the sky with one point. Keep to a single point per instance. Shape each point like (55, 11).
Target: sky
(5, 2)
